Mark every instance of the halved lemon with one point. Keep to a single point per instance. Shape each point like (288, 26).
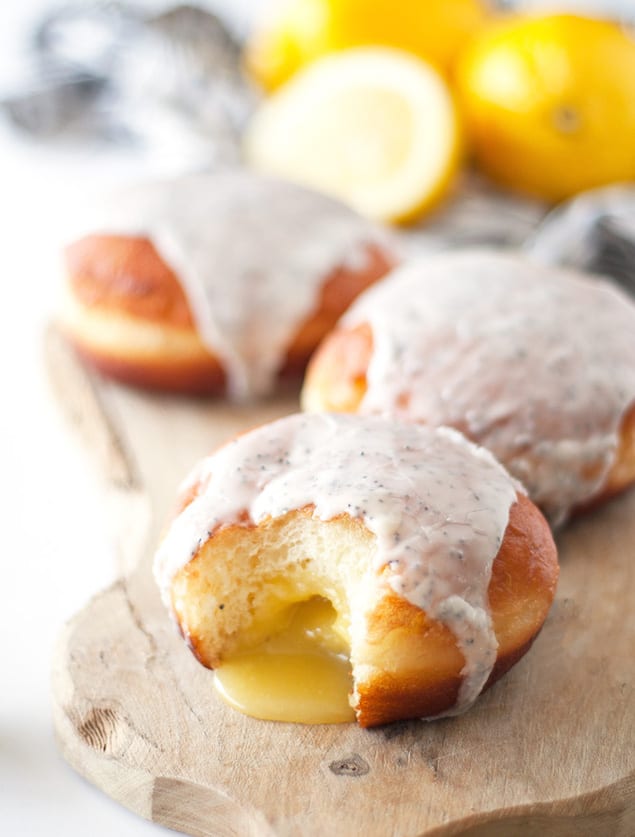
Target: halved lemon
(375, 127)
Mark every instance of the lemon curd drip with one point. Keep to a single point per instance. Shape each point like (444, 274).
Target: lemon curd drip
(298, 673)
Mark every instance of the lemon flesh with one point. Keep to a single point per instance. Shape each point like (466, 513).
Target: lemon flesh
(374, 127)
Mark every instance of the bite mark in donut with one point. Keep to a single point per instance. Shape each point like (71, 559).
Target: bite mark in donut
(233, 572)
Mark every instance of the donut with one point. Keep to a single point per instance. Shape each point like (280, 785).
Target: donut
(215, 283)
(334, 567)
(534, 363)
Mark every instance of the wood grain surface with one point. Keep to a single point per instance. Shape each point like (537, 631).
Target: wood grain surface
(550, 750)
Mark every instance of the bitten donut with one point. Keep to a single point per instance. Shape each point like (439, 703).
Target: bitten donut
(405, 554)
(537, 364)
(215, 283)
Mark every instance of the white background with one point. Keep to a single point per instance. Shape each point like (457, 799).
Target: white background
(55, 546)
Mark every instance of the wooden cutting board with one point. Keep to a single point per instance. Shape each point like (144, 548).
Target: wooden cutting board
(549, 750)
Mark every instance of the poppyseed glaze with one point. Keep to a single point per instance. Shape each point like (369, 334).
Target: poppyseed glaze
(252, 254)
(536, 364)
(437, 504)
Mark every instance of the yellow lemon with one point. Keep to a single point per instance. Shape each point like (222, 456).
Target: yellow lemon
(375, 127)
(304, 30)
(549, 104)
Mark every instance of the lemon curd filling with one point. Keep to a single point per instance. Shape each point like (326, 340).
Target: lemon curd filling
(299, 673)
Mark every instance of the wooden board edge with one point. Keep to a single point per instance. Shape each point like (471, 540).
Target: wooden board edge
(82, 743)
(129, 513)
(83, 731)
(76, 393)
(606, 812)
(97, 739)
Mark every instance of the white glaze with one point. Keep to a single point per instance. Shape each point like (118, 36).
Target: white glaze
(252, 254)
(437, 504)
(534, 363)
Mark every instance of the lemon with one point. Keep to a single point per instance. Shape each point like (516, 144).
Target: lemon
(374, 127)
(549, 104)
(304, 30)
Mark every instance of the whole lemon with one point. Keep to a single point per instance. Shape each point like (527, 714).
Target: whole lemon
(549, 103)
(303, 30)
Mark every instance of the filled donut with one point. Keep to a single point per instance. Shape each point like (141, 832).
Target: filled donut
(215, 283)
(333, 567)
(537, 364)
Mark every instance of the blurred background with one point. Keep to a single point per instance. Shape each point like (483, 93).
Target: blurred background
(529, 102)
(520, 132)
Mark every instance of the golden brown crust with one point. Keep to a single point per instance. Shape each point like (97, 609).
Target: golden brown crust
(336, 381)
(336, 376)
(415, 661)
(340, 289)
(128, 315)
(622, 474)
(126, 275)
(197, 375)
(427, 679)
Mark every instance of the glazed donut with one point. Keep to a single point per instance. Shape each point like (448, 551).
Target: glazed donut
(534, 363)
(215, 283)
(438, 569)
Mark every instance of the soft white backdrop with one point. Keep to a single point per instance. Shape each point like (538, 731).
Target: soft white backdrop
(56, 549)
